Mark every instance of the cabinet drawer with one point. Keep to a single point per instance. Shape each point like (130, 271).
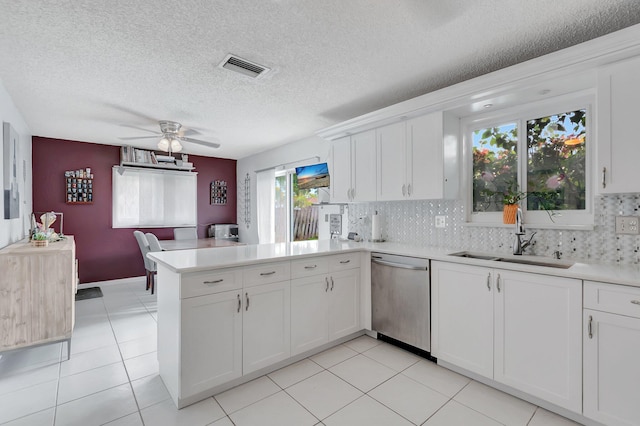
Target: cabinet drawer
(309, 267)
(613, 298)
(266, 273)
(341, 262)
(210, 282)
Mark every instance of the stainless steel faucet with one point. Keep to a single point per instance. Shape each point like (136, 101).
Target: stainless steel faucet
(518, 245)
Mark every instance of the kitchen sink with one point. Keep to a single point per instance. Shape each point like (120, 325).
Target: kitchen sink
(549, 263)
(470, 255)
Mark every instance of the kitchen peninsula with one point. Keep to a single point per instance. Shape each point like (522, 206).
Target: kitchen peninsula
(229, 315)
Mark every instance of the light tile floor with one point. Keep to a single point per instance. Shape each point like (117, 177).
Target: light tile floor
(112, 378)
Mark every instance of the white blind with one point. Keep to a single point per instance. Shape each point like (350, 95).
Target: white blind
(154, 198)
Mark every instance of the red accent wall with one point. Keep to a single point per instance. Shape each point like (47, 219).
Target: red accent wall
(105, 253)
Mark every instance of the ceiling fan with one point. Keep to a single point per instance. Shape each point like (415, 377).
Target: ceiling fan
(172, 136)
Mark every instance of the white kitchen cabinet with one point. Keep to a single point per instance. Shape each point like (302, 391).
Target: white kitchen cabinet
(618, 110)
(266, 335)
(344, 303)
(611, 351)
(211, 341)
(309, 313)
(353, 175)
(462, 316)
(418, 158)
(391, 162)
(538, 342)
(535, 319)
(325, 306)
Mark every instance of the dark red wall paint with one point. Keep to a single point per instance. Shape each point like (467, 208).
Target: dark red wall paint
(105, 253)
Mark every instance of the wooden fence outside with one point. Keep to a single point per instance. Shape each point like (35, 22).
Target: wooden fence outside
(305, 223)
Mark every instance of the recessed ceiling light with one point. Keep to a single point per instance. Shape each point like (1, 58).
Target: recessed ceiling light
(488, 105)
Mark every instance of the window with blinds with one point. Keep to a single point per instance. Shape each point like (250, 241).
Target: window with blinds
(153, 198)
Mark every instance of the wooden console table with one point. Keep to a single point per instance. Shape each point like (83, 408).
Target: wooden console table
(37, 294)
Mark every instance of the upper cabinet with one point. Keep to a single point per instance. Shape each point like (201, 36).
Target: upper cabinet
(409, 160)
(418, 158)
(353, 174)
(618, 108)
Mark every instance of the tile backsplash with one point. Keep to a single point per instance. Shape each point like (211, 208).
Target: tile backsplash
(412, 222)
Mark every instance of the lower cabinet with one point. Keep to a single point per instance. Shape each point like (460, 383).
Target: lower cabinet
(517, 328)
(324, 308)
(266, 336)
(226, 335)
(211, 341)
(612, 354)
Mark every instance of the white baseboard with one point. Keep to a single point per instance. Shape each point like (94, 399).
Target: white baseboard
(130, 280)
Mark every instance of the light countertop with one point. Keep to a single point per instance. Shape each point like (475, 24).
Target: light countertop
(184, 261)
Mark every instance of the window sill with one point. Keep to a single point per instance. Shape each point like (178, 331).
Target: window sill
(560, 227)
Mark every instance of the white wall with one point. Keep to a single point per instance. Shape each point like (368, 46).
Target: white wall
(12, 230)
(290, 155)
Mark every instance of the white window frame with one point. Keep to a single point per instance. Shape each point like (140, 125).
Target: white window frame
(168, 195)
(565, 219)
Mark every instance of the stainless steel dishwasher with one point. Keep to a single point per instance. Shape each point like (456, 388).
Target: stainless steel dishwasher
(400, 296)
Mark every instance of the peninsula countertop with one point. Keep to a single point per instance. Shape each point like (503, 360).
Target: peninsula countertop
(186, 261)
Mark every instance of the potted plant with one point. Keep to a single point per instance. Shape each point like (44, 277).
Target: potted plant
(40, 239)
(511, 196)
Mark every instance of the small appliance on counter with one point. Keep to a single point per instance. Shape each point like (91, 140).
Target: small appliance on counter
(223, 232)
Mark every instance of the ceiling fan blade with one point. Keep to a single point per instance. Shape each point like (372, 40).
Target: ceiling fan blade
(188, 132)
(141, 128)
(128, 138)
(199, 142)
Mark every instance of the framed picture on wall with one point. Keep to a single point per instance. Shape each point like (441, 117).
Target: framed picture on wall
(10, 175)
(218, 192)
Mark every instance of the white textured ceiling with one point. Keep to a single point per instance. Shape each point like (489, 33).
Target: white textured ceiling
(80, 70)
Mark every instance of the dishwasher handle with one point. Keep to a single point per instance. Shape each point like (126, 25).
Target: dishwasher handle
(398, 265)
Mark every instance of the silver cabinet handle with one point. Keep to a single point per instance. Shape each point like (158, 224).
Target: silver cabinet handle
(326, 279)
(265, 274)
(489, 281)
(349, 194)
(311, 267)
(246, 295)
(636, 302)
(239, 302)
(331, 283)
(604, 177)
(353, 194)
(498, 283)
(213, 282)
(590, 327)
(345, 261)
(409, 190)
(404, 190)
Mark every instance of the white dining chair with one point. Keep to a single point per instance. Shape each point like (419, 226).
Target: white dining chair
(149, 265)
(185, 234)
(154, 245)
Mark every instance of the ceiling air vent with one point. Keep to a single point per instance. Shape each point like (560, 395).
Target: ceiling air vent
(237, 64)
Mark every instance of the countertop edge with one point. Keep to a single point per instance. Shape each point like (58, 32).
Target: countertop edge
(250, 255)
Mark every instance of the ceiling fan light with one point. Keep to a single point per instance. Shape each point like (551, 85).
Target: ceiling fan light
(163, 144)
(176, 146)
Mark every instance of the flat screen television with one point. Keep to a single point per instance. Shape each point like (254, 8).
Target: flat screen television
(313, 176)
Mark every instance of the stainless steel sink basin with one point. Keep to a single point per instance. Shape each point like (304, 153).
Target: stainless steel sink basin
(549, 263)
(471, 255)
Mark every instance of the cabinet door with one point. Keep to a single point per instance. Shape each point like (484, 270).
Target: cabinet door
(425, 162)
(211, 341)
(611, 368)
(266, 325)
(344, 303)
(391, 162)
(309, 313)
(462, 316)
(538, 345)
(364, 166)
(618, 110)
(341, 170)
